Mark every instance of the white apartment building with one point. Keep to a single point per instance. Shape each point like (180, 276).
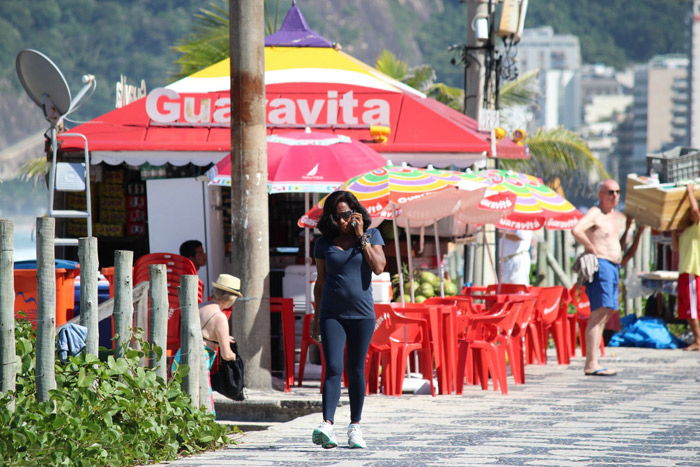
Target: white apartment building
(558, 57)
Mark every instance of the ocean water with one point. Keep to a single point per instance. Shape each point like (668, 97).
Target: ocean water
(25, 238)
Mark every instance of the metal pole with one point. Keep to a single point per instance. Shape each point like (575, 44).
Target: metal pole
(123, 300)
(307, 260)
(46, 307)
(439, 257)
(158, 326)
(249, 200)
(397, 248)
(8, 357)
(475, 71)
(89, 271)
(410, 260)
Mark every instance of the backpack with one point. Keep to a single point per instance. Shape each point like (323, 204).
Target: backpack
(229, 380)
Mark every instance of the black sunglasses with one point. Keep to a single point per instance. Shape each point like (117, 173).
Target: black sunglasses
(345, 215)
(613, 192)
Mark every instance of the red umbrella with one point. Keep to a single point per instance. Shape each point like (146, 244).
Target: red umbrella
(307, 162)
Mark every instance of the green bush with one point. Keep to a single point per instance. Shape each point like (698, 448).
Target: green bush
(111, 412)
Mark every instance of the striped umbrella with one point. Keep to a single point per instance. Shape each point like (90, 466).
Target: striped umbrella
(536, 204)
(382, 188)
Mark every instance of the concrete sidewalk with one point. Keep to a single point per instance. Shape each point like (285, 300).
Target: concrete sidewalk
(649, 414)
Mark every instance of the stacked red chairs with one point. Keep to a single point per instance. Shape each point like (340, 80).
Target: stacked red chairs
(580, 301)
(516, 349)
(395, 338)
(176, 266)
(285, 306)
(482, 354)
(559, 330)
(547, 311)
(440, 314)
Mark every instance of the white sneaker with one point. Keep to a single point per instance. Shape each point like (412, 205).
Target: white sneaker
(324, 436)
(355, 439)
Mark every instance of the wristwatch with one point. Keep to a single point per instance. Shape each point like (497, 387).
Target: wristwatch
(364, 241)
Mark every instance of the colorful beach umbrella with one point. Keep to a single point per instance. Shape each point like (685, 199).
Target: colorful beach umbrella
(536, 205)
(307, 162)
(381, 188)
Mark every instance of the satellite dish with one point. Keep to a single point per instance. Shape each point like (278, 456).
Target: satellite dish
(44, 83)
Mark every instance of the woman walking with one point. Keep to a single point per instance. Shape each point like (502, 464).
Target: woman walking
(346, 256)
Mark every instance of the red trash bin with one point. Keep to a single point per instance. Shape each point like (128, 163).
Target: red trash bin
(26, 290)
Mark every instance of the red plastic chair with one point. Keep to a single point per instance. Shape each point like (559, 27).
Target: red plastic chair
(483, 352)
(547, 310)
(440, 314)
(516, 349)
(395, 337)
(580, 301)
(285, 306)
(306, 342)
(176, 266)
(507, 288)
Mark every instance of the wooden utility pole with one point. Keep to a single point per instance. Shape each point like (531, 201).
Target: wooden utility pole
(46, 307)
(8, 357)
(250, 320)
(89, 271)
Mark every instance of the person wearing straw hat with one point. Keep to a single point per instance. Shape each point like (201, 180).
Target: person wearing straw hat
(346, 256)
(215, 331)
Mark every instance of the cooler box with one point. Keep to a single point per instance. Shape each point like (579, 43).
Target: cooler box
(26, 290)
(293, 285)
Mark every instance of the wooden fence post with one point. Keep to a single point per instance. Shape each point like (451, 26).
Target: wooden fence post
(190, 345)
(158, 325)
(123, 300)
(8, 358)
(46, 307)
(89, 272)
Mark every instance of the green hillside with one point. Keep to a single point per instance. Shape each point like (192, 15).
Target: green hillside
(111, 37)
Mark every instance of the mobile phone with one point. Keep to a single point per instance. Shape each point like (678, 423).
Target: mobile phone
(353, 224)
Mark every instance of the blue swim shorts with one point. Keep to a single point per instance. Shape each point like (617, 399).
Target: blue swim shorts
(604, 289)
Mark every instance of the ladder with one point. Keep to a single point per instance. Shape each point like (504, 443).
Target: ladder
(65, 177)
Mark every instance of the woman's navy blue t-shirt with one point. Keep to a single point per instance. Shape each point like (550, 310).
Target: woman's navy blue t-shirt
(347, 290)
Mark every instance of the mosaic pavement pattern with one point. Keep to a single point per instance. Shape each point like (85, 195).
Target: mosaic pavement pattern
(647, 415)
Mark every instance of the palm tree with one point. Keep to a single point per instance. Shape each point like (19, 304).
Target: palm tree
(209, 41)
(559, 155)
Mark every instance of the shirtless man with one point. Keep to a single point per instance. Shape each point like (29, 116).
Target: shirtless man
(597, 231)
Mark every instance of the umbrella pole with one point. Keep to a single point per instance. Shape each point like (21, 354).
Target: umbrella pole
(307, 259)
(410, 260)
(439, 259)
(398, 252)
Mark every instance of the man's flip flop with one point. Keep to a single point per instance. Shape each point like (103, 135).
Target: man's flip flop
(601, 372)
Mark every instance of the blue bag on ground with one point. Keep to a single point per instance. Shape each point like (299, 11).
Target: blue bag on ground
(647, 332)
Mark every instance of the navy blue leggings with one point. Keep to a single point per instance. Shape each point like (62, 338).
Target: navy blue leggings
(334, 334)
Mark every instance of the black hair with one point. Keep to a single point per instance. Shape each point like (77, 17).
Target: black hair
(189, 248)
(327, 225)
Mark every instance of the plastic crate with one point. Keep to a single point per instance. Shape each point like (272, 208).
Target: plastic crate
(675, 165)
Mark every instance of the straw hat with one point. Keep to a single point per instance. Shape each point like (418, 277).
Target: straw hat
(228, 283)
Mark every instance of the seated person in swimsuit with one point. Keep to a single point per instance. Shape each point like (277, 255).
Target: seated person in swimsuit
(214, 322)
(215, 330)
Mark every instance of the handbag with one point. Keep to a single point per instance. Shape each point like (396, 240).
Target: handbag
(229, 380)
